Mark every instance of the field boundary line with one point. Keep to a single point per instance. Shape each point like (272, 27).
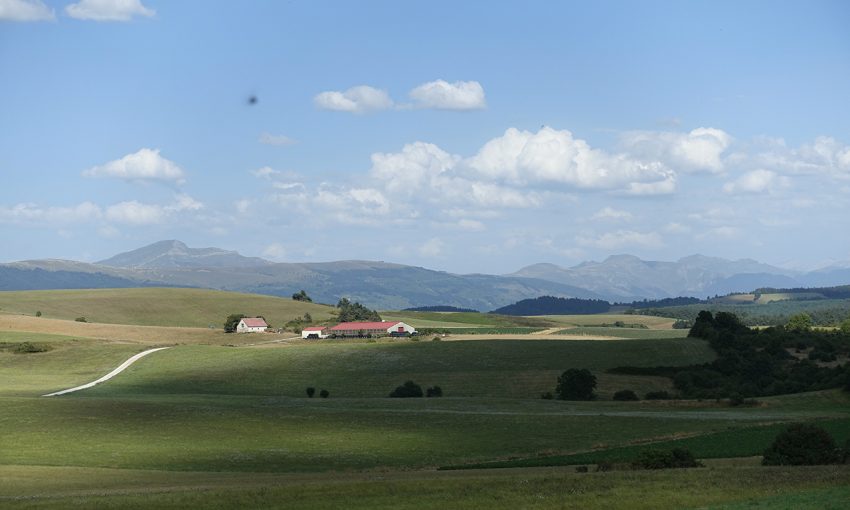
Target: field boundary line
(108, 376)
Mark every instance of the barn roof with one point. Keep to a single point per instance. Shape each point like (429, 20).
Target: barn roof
(255, 322)
(356, 326)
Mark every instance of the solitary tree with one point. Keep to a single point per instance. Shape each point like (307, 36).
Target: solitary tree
(407, 390)
(802, 444)
(301, 296)
(232, 321)
(324, 394)
(799, 322)
(311, 391)
(576, 384)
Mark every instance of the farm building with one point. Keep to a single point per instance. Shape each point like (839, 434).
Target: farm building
(372, 328)
(252, 325)
(315, 332)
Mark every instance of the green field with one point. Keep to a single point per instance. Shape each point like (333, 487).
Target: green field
(464, 320)
(157, 306)
(625, 332)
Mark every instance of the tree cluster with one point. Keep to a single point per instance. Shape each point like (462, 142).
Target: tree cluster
(576, 384)
(232, 321)
(301, 296)
(549, 305)
(355, 312)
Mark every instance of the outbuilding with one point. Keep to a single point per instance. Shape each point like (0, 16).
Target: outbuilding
(252, 325)
(315, 332)
(383, 328)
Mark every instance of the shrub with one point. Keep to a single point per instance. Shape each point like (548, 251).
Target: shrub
(576, 384)
(657, 395)
(802, 444)
(28, 347)
(666, 459)
(311, 391)
(38, 313)
(434, 391)
(324, 394)
(81, 319)
(547, 396)
(626, 395)
(407, 390)
(436, 339)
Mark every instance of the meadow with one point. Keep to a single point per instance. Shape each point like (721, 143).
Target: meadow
(223, 421)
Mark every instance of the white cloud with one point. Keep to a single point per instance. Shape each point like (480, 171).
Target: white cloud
(725, 232)
(442, 95)
(275, 251)
(757, 181)
(108, 10)
(135, 213)
(621, 239)
(418, 165)
(279, 140)
(431, 248)
(700, 150)
(609, 213)
(145, 164)
(183, 202)
(677, 228)
(824, 156)
(555, 156)
(265, 172)
(242, 205)
(359, 99)
(472, 225)
(25, 10)
(32, 213)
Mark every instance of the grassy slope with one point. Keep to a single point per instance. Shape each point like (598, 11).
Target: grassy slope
(157, 306)
(820, 488)
(625, 332)
(505, 368)
(649, 321)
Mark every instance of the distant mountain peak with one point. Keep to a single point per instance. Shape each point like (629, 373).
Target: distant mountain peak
(176, 254)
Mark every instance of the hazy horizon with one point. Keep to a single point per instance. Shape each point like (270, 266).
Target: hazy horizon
(465, 138)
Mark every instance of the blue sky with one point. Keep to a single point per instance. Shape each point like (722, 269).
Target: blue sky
(469, 137)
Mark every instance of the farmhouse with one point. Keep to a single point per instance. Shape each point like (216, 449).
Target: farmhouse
(315, 332)
(251, 325)
(382, 328)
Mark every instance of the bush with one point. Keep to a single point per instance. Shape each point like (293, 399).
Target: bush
(81, 319)
(657, 395)
(38, 313)
(435, 391)
(27, 347)
(407, 390)
(626, 395)
(547, 396)
(324, 394)
(576, 384)
(802, 444)
(436, 339)
(311, 391)
(666, 459)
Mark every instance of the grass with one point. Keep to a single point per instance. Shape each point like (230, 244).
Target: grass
(157, 306)
(651, 322)
(637, 333)
(475, 368)
(464, 319)
(820, 487)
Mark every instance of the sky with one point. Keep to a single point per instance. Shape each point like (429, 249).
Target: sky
(459, 136)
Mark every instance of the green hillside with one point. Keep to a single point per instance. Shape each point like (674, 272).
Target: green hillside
(157, 306)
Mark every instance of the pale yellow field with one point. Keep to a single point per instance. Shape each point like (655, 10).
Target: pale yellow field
(595, 320)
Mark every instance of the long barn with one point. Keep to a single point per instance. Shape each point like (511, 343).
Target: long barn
(383, 328)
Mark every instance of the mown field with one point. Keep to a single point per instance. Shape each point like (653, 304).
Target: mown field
(214, 422)
(157, 306)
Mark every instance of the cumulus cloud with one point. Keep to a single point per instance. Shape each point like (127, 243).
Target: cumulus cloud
(242, 205)
(25, 10)
(265, 172)
(183, 202)
(824, 156)
(757, 181)
(699, 150)
(108, 10)
(609, 213)
(621, 239)
(145, 164)
(442, 95)
(275, 251)
(555, 156)
(278, 140)
(361, 99)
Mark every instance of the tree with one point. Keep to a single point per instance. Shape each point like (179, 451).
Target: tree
(802, 444)
(38, 313)
(232, 321)
(799, 323)
(311, 391)
(434, 391)
(576, 384)
(626, 395)
(353, 312)
(845, 327)
(324, 394)
(407, 390)
(301, 296)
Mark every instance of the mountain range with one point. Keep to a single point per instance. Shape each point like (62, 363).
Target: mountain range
(382, 285)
